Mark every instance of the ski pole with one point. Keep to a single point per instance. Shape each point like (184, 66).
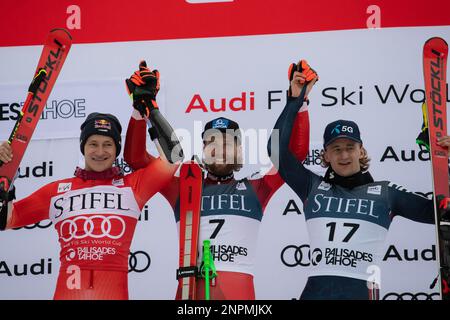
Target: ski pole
(208, 269)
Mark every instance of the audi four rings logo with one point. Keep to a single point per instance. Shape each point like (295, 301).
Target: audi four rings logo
(41, 225)
(70, 229)
(411, 296)
(293, 256)
(139, 261)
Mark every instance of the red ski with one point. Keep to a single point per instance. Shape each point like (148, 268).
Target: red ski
(191, 177)
(54, 53)
(435, 52)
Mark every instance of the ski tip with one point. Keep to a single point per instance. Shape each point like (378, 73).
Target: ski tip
(63, 30)
(436, 39)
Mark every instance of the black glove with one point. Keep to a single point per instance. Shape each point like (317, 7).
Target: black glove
(5, 197)
(423, 139)
(143, 86)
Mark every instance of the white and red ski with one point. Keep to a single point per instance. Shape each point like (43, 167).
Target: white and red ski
(435, 52)
(54, 53)
(191, 178)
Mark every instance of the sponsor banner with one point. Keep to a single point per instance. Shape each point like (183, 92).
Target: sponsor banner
(19, 276)
(68, 106)
(89, 22)
(245, 90)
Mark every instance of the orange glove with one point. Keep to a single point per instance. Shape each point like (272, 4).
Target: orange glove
(143, 86)
(304, 68)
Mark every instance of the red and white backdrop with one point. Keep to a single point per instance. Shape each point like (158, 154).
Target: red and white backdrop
(368, 56)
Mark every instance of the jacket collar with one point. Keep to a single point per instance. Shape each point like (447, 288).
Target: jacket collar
(358, 179)
(113, 172)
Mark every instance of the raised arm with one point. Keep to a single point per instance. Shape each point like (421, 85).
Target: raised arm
(135, 153)
(290, 168)
(143, 87)
(267, 185)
